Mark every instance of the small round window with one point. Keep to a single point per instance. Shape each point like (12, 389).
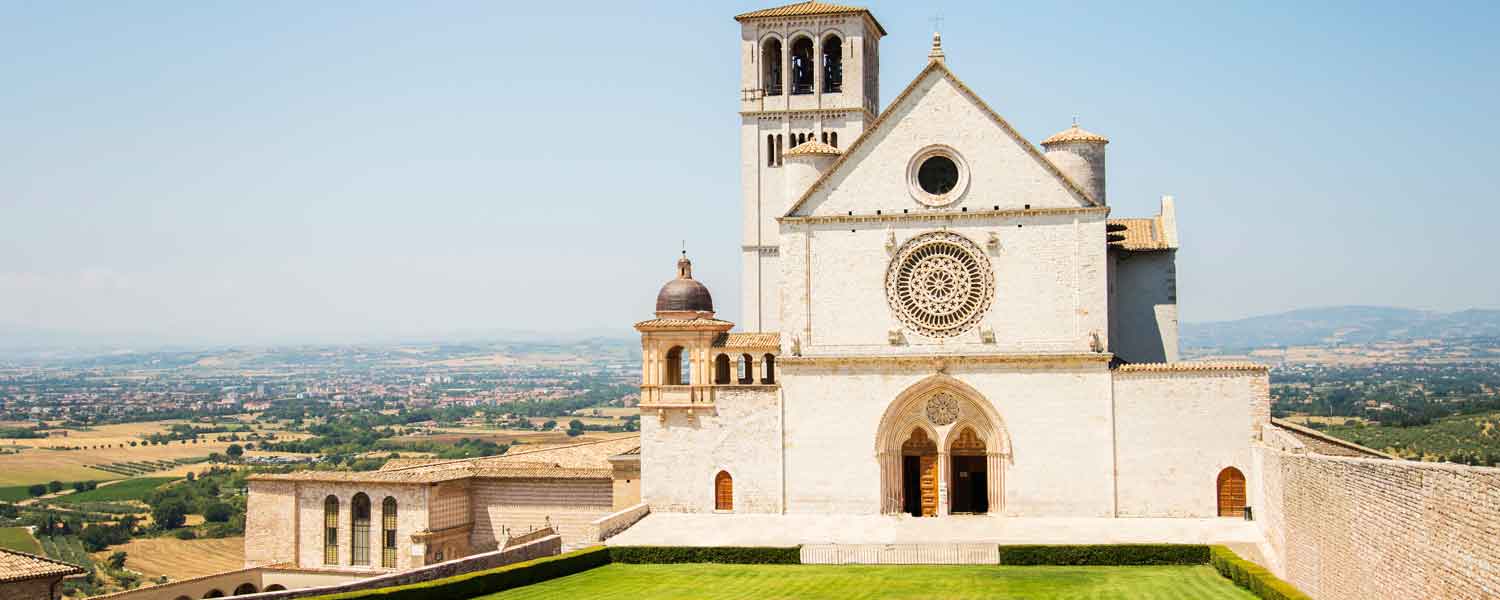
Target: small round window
(937, 176)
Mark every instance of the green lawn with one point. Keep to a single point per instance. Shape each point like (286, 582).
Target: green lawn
(130, 489)
(17, 538)
(842, 582)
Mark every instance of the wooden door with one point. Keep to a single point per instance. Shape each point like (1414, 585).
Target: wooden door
(929, 465)
(723, 491)
(1231, 493)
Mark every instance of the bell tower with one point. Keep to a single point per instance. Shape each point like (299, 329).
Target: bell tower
(809, 72)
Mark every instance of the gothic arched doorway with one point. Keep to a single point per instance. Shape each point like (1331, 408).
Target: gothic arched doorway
(943, 432)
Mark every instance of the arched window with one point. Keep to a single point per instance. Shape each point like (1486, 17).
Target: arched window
(802, 65)
(245, 588)
(747, 366)
(359, 536)
(833, 65)
(770, 61)
(833, 139)
(388, 533)
(678, 369)
(215, 593)
(723, 491)
(331, 531)
(721, 369)
(778, 149)
(768, 369)
(1231, 491)
(275, 587)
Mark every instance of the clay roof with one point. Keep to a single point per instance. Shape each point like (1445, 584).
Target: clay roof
(938, 65)
(748, 340)
(809, 8)
(1137, 235)
(585, 460)
(589, 455)
(1190, 366)
(813, 147)
(1075, 134)
(1325, 444)
(696, 323)
(20, 566)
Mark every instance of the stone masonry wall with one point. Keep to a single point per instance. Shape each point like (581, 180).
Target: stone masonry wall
(1347, 528)
(31, 589)
(271, 523)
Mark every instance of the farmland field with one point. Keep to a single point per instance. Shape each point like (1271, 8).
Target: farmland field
(129, 489)
(816, 582)
(103, 445)
(180, 559)
(17, 538)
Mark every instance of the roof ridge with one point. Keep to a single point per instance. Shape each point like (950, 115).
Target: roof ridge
(965, 90)
(473, 459)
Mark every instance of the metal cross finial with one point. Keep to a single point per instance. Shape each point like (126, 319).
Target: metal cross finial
(937, 23)
(1075, 120)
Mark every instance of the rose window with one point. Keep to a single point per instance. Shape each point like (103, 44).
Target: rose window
(940, 284)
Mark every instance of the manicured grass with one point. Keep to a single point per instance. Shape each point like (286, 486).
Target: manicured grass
(17, 538)
(130, 489)
(841, 582)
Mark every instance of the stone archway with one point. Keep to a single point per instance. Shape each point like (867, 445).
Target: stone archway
(971, 441)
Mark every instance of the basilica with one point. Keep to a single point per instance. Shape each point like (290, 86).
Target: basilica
(940, 318)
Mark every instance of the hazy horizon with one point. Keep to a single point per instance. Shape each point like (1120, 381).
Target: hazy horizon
(247, 173)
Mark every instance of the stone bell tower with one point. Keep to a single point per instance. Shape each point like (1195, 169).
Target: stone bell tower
(808, 72)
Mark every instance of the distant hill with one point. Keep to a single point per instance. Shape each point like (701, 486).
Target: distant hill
(1340, 325)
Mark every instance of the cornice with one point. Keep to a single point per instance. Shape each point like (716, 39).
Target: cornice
(945, 215)
(941, 362)
(807, 112)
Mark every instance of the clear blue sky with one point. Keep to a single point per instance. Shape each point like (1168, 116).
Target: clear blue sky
(262, 171)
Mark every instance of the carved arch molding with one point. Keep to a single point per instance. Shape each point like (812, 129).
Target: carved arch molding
(961, 422)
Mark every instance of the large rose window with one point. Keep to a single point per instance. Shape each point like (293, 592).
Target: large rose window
(940, 284)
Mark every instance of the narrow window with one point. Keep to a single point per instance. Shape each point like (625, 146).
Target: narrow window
(833, 139)
(746, 364)
(331, 531)
(802, 66)
(833, 65)
(768, 375)
(359, 535)
(388, 533)
(770, 150)
(677, 367)
(770, 59)
(723, 491)
(778, 149)
(721, 369)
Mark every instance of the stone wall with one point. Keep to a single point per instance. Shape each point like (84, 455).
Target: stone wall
(1354, 528)
(411, 517)
(271, 523)
(523, 505)
(742, 435)
(30, 589)
(1143, 306)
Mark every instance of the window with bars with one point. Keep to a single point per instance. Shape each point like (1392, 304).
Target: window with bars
(359, 541)
(388, 533)
(331, 531)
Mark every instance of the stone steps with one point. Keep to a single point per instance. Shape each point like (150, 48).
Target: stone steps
(901, 554)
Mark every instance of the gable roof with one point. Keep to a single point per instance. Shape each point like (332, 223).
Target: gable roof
(20, 566)
(884, 121)
(810, 8)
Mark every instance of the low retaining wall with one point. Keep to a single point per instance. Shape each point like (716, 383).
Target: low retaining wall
(609, 525)
(1354, 528)
(901, 554)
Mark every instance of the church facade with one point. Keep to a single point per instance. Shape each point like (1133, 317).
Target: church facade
(940, 318)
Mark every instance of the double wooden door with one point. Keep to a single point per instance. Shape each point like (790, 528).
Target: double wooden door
(919, 490)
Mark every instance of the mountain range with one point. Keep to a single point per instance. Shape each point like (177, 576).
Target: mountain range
(1340, 325)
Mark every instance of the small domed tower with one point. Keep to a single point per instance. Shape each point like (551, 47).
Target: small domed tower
(805, 164)
(1079, 154)
(676, 363)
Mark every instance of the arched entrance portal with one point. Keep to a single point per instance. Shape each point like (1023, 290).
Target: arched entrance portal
(942, 449)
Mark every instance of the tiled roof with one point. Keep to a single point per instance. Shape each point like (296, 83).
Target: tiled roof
(20, 566)
(1190, 366)
(508, 472)
(813, 147)
(748, 340)
(587, 455)
(585, 460)
(1137, 235)
(697, 323)
(1075, 134)
(410, 475)
(809, 8)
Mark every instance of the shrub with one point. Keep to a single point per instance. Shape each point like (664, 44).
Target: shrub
(707, 554)
(1252, 577)
(471, 585)
(185, 534)
(217, 512)
(36, 490)
(169, 514)
(1105, 554)
(54, 486)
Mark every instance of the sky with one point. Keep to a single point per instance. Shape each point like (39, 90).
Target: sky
(270, 171)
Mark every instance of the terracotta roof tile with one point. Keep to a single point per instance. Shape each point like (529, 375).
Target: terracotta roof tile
(697, 323)
(770, 339)
(20, 566)
(585, 460)
(1075, 134)
(813, 147)
(1137, 235)
(809, 8)
(1190, 366)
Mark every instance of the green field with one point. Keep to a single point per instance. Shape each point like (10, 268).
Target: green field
(842, 582)
(130, 489)
(14, 493)
(1470, 439)
(17, 538)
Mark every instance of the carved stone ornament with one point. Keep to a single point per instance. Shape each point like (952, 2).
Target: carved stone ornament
(940, 284)
(942, 409)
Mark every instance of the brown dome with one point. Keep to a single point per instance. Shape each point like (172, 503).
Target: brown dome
(684, 294)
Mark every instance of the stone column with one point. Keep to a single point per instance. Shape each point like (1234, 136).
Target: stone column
(944, 471)
(994, 466)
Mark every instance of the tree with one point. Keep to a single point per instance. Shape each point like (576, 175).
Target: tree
(218, 512)
(170, 514)
(36, 490)
(235, 451)
(191, 476)
(575, 428)
(54, 486)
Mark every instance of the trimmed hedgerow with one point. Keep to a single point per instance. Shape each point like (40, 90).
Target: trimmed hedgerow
(739, 555)
(471, 585)
(1105, 554)
(1252, 577)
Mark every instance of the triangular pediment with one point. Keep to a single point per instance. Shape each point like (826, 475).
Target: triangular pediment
(1002, 169)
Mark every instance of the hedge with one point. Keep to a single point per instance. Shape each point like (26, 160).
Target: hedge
(1105, 554)
(1252, 577)
(707, 554)
(479, 583)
